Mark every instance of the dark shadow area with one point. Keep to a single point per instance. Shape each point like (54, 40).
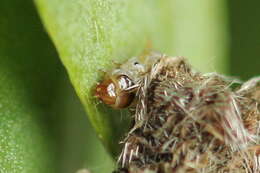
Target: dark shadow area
(245, 38)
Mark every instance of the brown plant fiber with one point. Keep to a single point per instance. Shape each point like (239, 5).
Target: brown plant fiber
(188, 122)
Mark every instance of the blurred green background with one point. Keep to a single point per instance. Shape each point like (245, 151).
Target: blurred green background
(222, 36)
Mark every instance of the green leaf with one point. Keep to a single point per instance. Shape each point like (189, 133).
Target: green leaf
(78, 144)
(89, 34)
(28, 73)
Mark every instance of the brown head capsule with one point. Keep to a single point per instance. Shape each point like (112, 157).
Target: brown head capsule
(116, 91)
(118, 88)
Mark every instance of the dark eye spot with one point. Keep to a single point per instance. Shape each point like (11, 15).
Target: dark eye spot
(136, 63)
